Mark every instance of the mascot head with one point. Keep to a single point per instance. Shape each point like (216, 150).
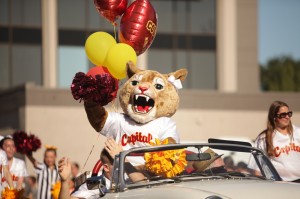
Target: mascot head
(148, 95)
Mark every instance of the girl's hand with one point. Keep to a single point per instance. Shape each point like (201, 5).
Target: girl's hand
(64, 169)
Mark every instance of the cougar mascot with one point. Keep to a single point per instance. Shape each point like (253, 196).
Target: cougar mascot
(148, 100)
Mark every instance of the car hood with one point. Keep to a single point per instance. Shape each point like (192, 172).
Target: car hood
(239, 189)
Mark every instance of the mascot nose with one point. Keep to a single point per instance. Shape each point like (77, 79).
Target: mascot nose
(143, 88)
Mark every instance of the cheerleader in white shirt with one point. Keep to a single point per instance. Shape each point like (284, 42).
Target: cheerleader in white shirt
(5, 173)
(281, 142)
(17, 166)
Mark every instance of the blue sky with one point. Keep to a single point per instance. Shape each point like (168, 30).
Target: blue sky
(279, 29)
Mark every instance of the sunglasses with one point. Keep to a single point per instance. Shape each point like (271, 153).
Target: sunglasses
(283, 115)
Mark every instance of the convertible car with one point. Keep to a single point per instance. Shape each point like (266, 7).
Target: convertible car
(194, 171)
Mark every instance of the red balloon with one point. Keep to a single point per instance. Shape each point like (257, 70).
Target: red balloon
(111, 9)
(98, 70)
(138, 26)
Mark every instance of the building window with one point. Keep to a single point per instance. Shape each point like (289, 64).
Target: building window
(72, 59)
(4, 66)
(160, 60)
(26, 13)
(80, 15)
(26, 64)
(81, 20)
(20, 42)
(4, 12)
(202, 16)
(165, 15)
(71, 14)
(202, 70)
(186, 37)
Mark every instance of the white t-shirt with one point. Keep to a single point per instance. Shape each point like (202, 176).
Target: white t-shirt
(131, 134)
(287, 153)
(17, 169)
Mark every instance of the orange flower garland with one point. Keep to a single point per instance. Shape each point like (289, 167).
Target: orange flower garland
(8, 193)
(55, 190)
(165, 163)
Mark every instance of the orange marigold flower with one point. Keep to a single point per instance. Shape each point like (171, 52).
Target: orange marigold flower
(165, 163)
(55, 190)
(8, 193)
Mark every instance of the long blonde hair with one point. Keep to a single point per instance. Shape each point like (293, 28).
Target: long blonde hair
(273, 110)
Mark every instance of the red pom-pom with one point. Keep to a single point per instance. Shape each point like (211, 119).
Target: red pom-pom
(101, 88)
(25, 143)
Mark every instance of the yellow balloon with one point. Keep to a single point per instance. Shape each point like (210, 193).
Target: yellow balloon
(97, 46)
(117, 58)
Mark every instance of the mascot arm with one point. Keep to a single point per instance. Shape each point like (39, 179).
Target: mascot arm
(96, 114)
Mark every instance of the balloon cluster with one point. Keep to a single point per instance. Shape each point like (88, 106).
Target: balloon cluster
(136, 33)
(26, 144)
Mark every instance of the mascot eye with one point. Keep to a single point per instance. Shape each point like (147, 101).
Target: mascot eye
(158, 86)
(134, 83)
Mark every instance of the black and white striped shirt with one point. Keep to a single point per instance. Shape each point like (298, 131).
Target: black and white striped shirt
(46, 178)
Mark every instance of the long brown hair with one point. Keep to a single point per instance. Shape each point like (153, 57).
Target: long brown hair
(273, 110)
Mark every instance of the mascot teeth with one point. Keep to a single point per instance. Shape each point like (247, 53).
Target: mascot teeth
(142, 103)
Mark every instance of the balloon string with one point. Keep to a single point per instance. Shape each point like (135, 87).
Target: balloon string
(115, 32)
(89, 154)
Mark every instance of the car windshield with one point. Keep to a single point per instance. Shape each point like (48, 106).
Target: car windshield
(151, 165)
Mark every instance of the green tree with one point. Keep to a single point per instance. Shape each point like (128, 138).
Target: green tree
(281, 74)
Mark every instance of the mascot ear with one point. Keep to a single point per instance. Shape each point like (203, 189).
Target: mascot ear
(179, 74)
(131, 69)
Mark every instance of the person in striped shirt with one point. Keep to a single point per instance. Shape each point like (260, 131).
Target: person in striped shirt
(47, 173)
